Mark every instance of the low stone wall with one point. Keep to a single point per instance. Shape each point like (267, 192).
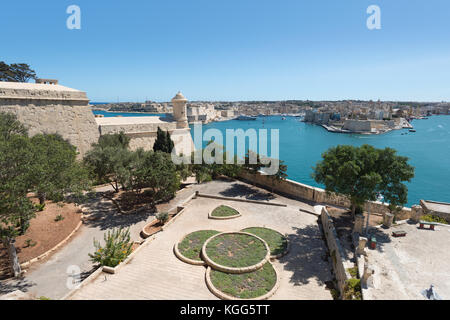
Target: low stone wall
(302, 191)
(336, 251)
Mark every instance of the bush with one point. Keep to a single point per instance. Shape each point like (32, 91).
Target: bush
(352, 290)
(117, 247)
(162, 217)
(59, 217)
(433, 218)
(39, 207)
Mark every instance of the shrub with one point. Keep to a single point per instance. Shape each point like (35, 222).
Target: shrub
(59, 217)
(352, 290)
(117, 247)
(30, 243)
(39, 207)
(433, 218)
(162, 217)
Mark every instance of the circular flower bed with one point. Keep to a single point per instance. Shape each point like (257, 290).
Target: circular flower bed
(277, 243)
(235, 252)
(224, 212)
(191, 245)
(256, 284)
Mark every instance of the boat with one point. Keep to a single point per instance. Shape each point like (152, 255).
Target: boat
(245, 118)
(283, 118)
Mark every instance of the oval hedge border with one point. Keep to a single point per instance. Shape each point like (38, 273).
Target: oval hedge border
(224, 296)
(277, 256)
(180, 256)
(223, 268)
(210, 214)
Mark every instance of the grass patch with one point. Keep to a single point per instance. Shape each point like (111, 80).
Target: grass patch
(236, 250)
(276, 241)
(224, 211)
(247, 285)
(433, 218)
(192, 244)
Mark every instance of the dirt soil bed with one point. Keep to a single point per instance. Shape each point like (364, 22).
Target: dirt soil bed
(43, 234)
(156, 226)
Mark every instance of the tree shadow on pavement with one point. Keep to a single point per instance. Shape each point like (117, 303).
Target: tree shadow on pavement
(104, 214)
(241, 190)
(307, 257)
(10, 285)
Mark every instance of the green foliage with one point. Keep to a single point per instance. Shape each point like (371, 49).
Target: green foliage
(215, 162)
(246, 285)
(192, 244)
(30, 243)
(246, 250)
(39, 207)
(16, 72)
(163, 142)
(44, 298)
(361, 172)
(110, 160)
(162, 217)
(275, 240)
(117, 247)
(352, 290)
(433, 218)
(56, 169)
(224, 211)
(9, 125)
(353, 272)
(59, 217)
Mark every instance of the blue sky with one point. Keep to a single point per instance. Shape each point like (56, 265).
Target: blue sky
(235, 49)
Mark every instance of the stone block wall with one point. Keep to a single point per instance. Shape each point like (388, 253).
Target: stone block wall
(335, 249)
(302, 191)
(52, 109)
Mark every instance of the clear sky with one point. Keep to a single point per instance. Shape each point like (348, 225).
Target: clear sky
(235, 49)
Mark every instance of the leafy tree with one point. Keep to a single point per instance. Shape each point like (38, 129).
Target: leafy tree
(110, 160)
(394, 170)
(157, 172)
(9, 125)
(56, 169)
(16, 210)
(163, 141)
(280, 175)
(16, 72)
(360, 173)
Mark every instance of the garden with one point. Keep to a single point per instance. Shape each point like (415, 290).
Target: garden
(238, 263)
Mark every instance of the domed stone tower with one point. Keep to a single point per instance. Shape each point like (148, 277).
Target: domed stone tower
(179, 110)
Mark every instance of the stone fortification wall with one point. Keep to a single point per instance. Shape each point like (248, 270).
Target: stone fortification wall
(317, 195)
(340, 264)
(142, 131)
(45, 108)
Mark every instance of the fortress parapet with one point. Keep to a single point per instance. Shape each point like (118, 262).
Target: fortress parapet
(51, 108)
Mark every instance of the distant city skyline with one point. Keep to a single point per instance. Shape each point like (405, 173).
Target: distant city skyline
(235, 50)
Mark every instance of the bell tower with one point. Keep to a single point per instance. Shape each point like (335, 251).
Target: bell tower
(179, 111)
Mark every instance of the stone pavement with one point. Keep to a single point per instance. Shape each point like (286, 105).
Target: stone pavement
(407, 265)
(155, 272)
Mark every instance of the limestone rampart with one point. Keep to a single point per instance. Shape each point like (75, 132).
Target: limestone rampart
(46, 108)
(302, 191)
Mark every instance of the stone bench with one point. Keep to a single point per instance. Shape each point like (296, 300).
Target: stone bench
(423, 223)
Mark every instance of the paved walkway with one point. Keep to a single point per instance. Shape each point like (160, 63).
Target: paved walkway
(406, 266)
(49, 277)
(155, 272)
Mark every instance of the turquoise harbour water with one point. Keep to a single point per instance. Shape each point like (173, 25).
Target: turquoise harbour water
(302, 144)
